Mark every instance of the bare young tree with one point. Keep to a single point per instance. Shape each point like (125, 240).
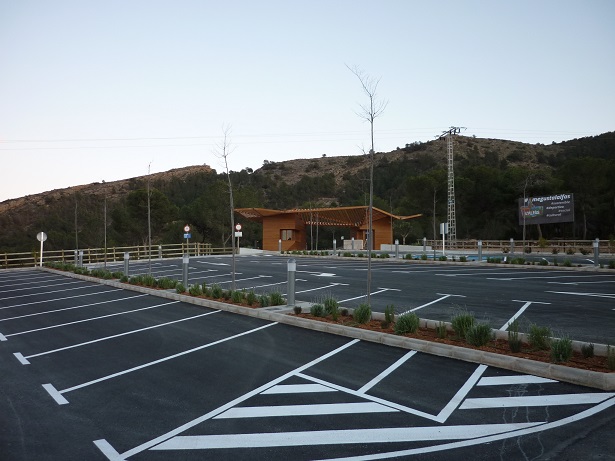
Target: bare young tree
(223, 150)
(369, 112)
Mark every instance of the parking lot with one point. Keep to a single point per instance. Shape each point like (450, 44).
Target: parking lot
(95, 372)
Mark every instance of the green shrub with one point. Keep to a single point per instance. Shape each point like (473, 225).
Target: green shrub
(611, 264)
(463, 259)
(250, 298)
(479, 334)
(441, 330)
(277, 299)
(361, 255)
(347, 254)
(297, 310)
(116, 275)
(264, 300)
(331, 307)
(408, 256)
(423, 257)
(587, 350)
(389, 313)
(539, 337)
(494, 260)
(610, 357)
(517, 261)
(180, 288)
(149, 281)
(407, 323)
(317, 310)
(195, 290)
(237, 296)
(344, 311)
(567, 263)
(442, 258)
(124, 279)
(384, 256)
(543, 262)
(514, 343)
(166, 283)
(216, 291)
(226, 294)
(569, 251)
(561, 350)
(363, 313)
(462, 322)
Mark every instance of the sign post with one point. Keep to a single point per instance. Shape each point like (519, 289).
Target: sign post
(187, 236)
(238, 234)
(443, 231)
(41, 237)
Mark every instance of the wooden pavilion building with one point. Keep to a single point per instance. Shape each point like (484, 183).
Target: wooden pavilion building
(292, 227)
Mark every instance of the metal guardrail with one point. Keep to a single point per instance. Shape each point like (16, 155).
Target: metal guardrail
(113, 254)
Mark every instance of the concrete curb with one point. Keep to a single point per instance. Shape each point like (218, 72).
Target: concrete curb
(603, 381)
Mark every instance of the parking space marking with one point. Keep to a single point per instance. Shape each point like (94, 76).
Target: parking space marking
(47, 293)
(60, 299)
(582, 283)
(297, 389)
(70, 308)
(386, 372)
(305, 410)
(164, 359)
(106, 338)
(21, 283)
(90, 319)
(272, 284)
(321, 288)
(519, 312)
(351, 436)
(248, 278)
(593, 295)
(53, 392)
(44, 286)
(105, 447)
(549, 277)
(536, 400)
(380, 290)
(532, 428)
(513, 380)
(444, 296)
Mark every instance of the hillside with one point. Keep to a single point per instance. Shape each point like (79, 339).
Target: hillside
(490, 175)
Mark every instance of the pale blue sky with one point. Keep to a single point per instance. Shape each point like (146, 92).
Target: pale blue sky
(96, 90)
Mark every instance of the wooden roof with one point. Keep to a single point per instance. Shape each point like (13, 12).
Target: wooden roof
(346, 216)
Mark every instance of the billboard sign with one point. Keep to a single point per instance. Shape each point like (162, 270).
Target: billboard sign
(548, 209)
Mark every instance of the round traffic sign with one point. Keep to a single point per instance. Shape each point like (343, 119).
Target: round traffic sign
(186, 228)
(238, 227)
(41, 236)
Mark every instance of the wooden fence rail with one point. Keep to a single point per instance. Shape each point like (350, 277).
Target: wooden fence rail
(113, 254)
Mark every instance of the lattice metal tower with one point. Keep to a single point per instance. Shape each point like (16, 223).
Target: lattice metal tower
(451, 215)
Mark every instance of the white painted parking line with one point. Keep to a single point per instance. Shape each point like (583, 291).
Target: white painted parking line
(382, 290)
(74, 282)
(70, 308)
(45, 293)
(444, 296)
(2, 337)
(582, 283)
(548, 277)
(106, 338)
(321, 288)
(350, 436)
(53, 392)
(21, 283)
(164, 359)
(386, 372)
(21, 358)
(536, 400)
(271, 284)
(91, 319)
(213, 264)
(593, 295)
(519, 312)
(60, 299)
(298, 389)
(513, 380)
(106, 448)
(248, 278)
(305, 410)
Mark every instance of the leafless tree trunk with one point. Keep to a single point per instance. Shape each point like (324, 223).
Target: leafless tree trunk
(369, 112)
(223, 150)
